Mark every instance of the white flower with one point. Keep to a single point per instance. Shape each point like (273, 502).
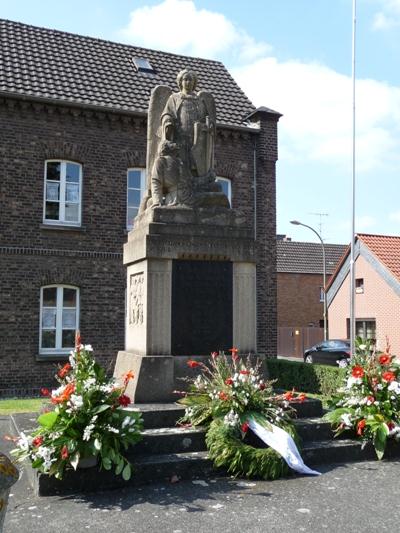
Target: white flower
(72, 360)
(394, 386)
(342, 363)
(353, 381)
(76, 401)
(362, 346)
(231, 419)
(346, 419)
(129, 421)
(88, 384)
(24, 442)
(111, 429)
(88, 348)
(87, 432)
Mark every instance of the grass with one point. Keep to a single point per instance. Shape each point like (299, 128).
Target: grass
(20, 405)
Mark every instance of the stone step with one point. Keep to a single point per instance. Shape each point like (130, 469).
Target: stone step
(169, 440)
(157, 415)
(313, 429)
(168, 468)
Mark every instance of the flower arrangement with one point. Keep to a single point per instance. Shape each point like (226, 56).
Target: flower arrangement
(87, 420)
(369, 402)
(225, 397)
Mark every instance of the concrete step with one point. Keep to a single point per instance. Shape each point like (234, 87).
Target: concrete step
(157, 415)
(170, 440)
(313, 429)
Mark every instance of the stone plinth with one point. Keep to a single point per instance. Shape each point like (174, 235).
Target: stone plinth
(191, 289)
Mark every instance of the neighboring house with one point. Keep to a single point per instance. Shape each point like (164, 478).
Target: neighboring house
(73, 114)
(300, 293)
(377, 291)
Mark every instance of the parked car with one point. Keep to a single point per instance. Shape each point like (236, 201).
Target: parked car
(328, 352)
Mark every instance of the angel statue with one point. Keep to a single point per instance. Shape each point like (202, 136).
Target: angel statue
(180, 147)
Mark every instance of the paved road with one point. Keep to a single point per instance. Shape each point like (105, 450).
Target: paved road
(359, 497)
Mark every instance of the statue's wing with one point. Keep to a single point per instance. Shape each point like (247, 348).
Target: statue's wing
(209, 102)
(158, 99)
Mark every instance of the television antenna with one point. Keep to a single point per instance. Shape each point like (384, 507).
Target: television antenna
(320, 215)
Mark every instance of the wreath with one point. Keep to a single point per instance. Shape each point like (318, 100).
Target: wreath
(224, 398)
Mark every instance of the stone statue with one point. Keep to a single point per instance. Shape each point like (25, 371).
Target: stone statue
(180, 147)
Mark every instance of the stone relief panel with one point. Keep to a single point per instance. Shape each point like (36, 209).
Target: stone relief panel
(136, 299)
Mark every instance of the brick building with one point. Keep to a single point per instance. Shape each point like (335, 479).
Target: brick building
(300, 292)
(377, 291)
(73, 150)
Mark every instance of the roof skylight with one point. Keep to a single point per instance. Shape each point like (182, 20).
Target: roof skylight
(142, 64)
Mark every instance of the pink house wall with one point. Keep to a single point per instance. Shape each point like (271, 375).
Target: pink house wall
(378, 302)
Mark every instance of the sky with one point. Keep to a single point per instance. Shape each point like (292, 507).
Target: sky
(294, 56)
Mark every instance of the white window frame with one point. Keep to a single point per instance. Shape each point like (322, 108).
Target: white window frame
(59, 309)
(229, 182)
(62, 201)
(142, 171)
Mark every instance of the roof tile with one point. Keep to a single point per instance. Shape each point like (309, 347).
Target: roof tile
(306, 257)
(40, 62)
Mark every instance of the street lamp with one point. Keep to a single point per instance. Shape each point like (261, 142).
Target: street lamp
(297, 223)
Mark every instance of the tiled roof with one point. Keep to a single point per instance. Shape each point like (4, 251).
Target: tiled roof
(54, 65)
(386, 249)
(306, 257)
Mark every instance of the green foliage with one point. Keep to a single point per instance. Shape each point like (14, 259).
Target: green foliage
(318, 379)
(227, 449)
(368, 403)
(87, 420)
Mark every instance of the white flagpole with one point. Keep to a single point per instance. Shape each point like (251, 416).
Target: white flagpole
(352, 243)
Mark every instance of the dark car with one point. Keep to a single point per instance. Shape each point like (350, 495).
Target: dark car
(328, 352)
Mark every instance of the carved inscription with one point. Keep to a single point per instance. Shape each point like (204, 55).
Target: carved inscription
(136, 294)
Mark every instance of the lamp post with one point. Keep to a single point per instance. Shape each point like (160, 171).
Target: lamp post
(297, 223)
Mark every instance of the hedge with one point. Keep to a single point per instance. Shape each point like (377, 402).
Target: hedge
(305, 377)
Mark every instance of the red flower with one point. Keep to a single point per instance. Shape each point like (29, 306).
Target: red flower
(244, 372)
(388, 376)
(288, 395)
(262, 386)
(301, 397)
(44, 392)
(124, 400)
(390, 425)
(384, 359)
(37, 441)
(223, 396)
(357, 372)
(214, 354)
(234, 352)
(370, 399)
(229, 381)
(64, 370)
(244, 427)
(64, 452)
(128, 376)
(65, 395)
(360, 427)
(192, 363)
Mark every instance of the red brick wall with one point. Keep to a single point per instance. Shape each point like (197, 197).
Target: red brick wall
(106, 144)
(298, 299)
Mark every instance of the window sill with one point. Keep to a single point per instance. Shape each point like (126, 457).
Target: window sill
(51, 357)
(63, 227)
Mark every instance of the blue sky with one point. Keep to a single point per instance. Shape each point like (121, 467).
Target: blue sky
(293, 56)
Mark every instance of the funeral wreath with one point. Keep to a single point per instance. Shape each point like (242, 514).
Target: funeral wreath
(87, 420)
(231, 400)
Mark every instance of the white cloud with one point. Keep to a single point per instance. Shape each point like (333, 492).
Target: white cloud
(388, 17)
(316, 102)
(178, 26)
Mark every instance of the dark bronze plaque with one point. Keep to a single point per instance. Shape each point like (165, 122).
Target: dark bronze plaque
(201, 307)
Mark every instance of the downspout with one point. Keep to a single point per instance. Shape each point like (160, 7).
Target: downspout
(255, 232)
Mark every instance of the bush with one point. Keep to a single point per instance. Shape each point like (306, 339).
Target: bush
(315, 379)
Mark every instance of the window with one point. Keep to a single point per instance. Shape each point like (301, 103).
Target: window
(59, 318)
(359, 285)
(321, 294)
(135, 190)
(62, 193)
(365, 328)
(226, 187)
(142, 64)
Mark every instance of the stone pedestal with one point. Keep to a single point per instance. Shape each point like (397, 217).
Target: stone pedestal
(191, 289)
